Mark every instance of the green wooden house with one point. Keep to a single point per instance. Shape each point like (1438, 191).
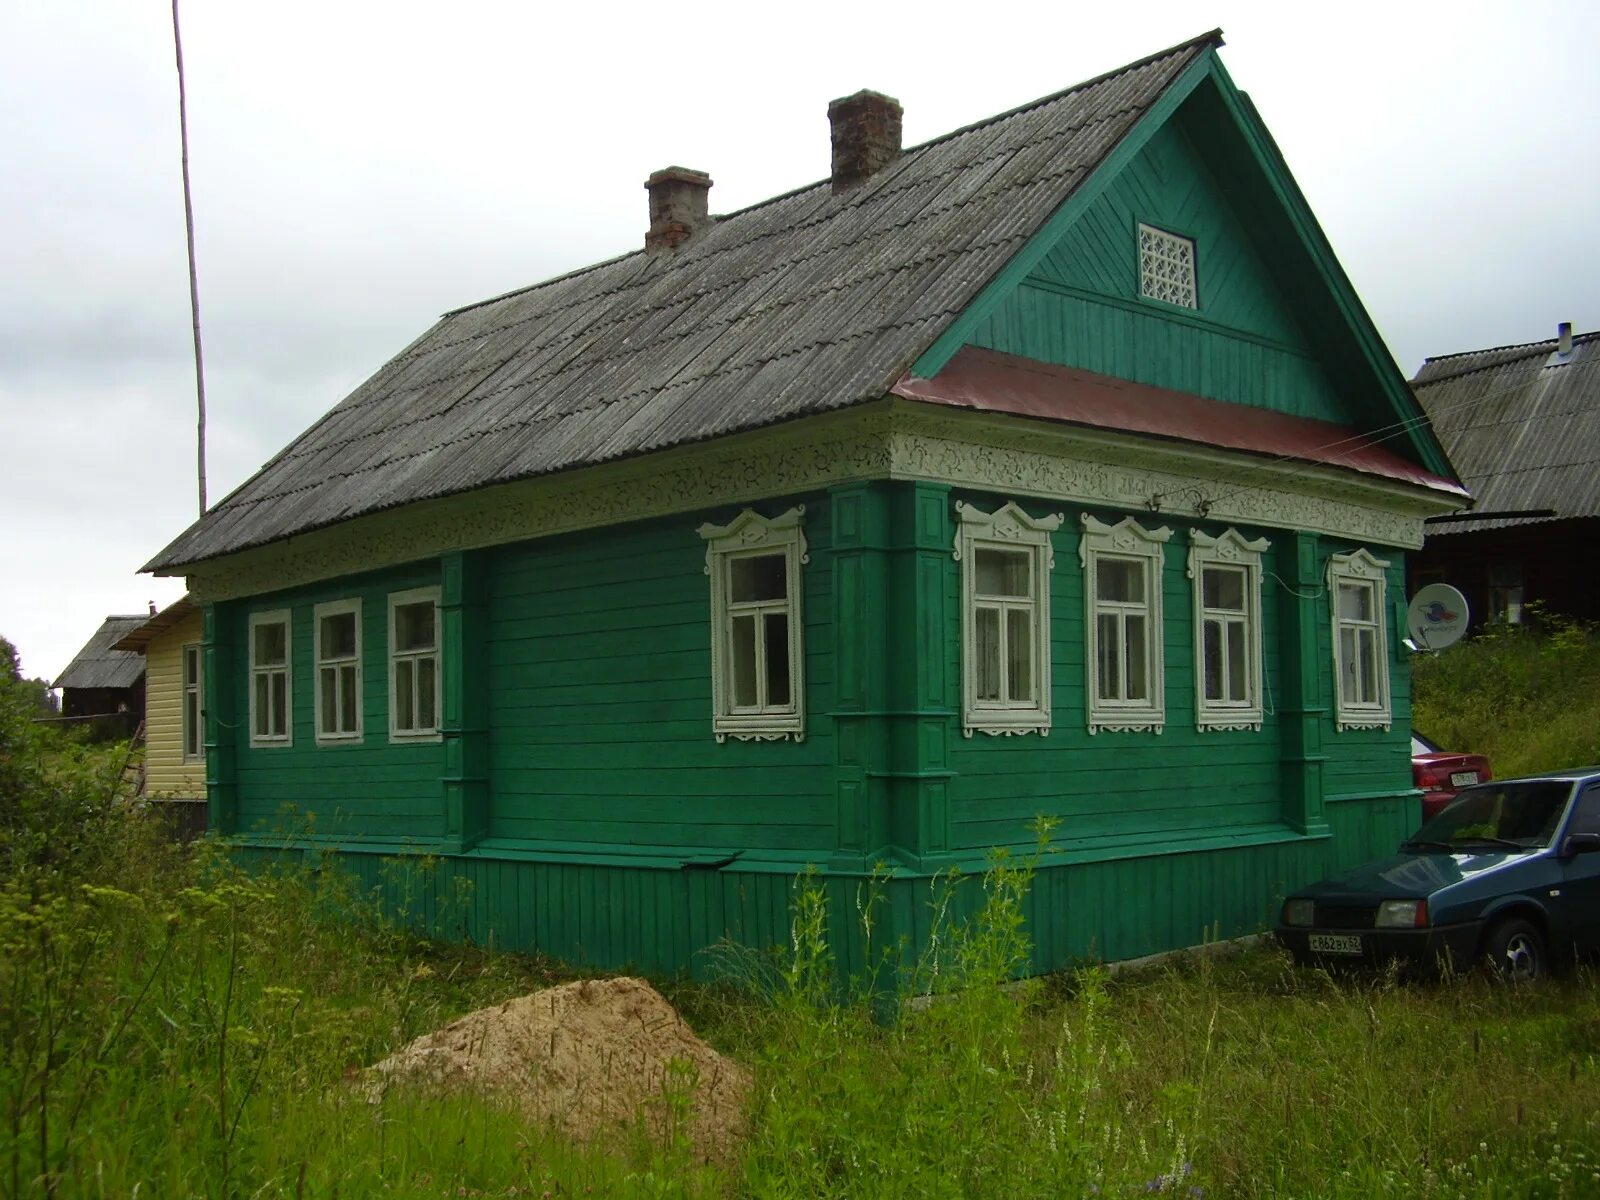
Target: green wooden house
(1049, 468)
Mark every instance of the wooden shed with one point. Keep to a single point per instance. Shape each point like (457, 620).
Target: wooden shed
(1044, 469)
(103, 686)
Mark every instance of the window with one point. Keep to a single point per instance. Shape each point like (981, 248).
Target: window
(1226, 572)
(757, 667)
(1505, 594)
(338, 652)
(1005, 561)
(1122, 598)
(193, 716)
(414, 664)
(271, 702)
(1166, 267)
(1360, 641)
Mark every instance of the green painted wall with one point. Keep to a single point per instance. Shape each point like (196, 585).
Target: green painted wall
(366, 789)
(599, 688)
(1081, 305)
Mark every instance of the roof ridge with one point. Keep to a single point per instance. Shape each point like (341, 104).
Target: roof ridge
(1531, 349)
(1550, 341)
(1213, 36)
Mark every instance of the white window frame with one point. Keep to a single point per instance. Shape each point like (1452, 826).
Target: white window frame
(192, 720)
(410, 596)
(1008, 528)
(1360, 569)
(1127, 540)
(1230, 550)
(1159, 246)
(321, 662)
(278, 616)
(751, 535)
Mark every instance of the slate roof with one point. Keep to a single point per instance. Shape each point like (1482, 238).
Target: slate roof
(805, 303)
(1522, 426)
(146, 631)
(98, 665)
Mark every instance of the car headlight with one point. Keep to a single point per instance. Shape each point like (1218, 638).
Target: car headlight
(1402, 914)
(1299, 912)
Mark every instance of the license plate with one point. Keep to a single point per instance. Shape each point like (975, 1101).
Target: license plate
(1463, 779)
(1335, 943)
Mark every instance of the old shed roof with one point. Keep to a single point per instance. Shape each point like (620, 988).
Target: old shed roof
(140, 637)
(98, 665)
(805, 303)
(1522, 426)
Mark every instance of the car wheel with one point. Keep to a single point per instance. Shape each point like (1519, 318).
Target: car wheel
(1514, 950)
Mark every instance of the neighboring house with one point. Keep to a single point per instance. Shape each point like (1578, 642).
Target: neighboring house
(1522, 426)
(104, 686)
(174, 761)
(1043, 469)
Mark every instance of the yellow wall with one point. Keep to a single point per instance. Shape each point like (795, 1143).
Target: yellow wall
(166, 772)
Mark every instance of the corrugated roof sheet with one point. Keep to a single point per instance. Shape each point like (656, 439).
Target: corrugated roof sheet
(802, 304)
(990, 381)
(98, 665)
(141, 635)
(1522, 426)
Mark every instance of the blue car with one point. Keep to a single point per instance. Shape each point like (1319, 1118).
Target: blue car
(1507, 875)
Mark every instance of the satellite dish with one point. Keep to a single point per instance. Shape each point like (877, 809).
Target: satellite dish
(1436, 617)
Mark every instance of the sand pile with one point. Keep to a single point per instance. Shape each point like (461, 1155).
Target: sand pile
(587, 1057)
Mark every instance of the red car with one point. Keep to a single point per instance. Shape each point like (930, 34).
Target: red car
(1440, 774)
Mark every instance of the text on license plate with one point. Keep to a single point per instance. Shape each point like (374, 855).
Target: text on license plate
(1463, 779)
(1335, 943)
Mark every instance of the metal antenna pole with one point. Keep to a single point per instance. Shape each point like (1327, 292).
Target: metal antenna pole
(194, 285)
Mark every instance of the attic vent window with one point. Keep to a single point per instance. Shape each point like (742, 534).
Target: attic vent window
(1166, 267)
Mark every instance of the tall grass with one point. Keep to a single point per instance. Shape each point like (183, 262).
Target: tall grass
(1528, 696)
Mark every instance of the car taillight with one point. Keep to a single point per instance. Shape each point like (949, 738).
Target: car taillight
(1431, 778)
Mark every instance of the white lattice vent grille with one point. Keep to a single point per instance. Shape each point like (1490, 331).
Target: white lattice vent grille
(1166, 267)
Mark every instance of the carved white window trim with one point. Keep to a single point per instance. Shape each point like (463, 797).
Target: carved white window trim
(412, 662)
(751, 535)
(1230, 550)
(1008, 528)
(269, 671)
(1362, 572)
(344, 670)
(192, 720)
(1126, 541)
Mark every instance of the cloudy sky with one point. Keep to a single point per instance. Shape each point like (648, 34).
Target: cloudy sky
(359, 168)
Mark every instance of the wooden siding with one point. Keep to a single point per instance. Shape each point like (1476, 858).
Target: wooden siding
(1081, 306)
(366, 788)
(600, 699)
(167, 774)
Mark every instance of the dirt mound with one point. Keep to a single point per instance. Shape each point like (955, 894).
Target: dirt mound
(586, 1056)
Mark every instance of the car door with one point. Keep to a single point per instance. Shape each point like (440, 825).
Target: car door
(1581, 883)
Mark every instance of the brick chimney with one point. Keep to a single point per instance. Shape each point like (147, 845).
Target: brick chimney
(677, 207)
(866, 137)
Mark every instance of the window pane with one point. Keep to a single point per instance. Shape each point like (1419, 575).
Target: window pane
(1369, 666)
(328, 681)
(1002, 573)
(1134, 628)
(262, 705)
(270, 644)
(280, 703)
(743, 667)
(1223, 587)
(413, 626)
(776, 638)
(191, 725)
(757, 577)
(1212, 654)
(986, 652)
(1347, 661)
(1355, 602)
(1238, 675)
(191, 666)
(1120, 580)
(347, 699)
(1019, 653)
(427, 693)
(339, 636)
(405, 712)
(1109, 664)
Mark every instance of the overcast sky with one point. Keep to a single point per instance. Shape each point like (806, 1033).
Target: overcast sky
(359, 168)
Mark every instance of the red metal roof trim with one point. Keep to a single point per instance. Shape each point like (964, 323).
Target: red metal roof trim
(990, 381)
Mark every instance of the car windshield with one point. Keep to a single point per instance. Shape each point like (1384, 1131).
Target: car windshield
(1514, 814)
